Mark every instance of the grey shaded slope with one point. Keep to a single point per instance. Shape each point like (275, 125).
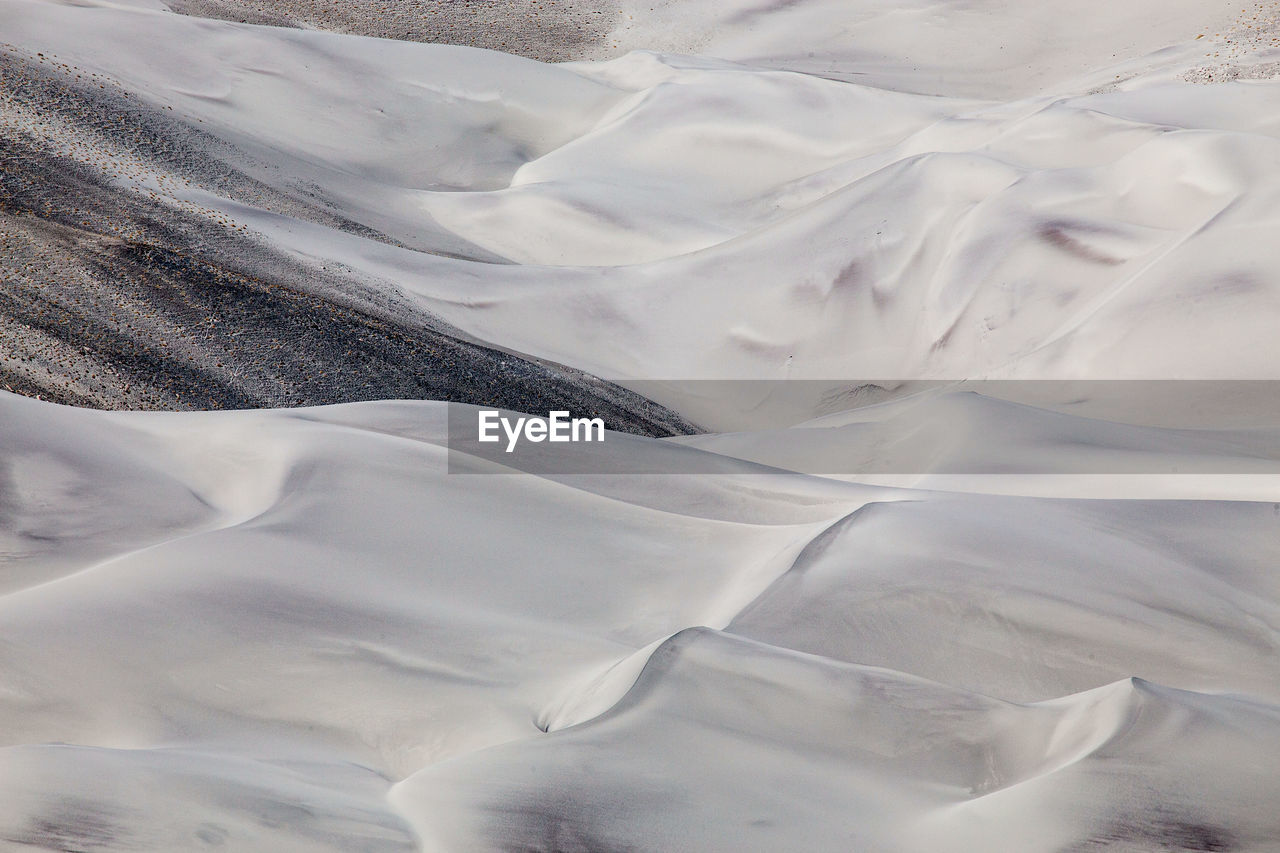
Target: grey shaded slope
(551, 31)
(114, 299)
(724, 744)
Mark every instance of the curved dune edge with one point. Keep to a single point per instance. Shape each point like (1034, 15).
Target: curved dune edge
(346, 645)
(635, 218)
(849, 613)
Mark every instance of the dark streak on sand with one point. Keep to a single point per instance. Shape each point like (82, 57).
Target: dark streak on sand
(553, 823)
(110, 298)
(1158, 830)
(74, 825)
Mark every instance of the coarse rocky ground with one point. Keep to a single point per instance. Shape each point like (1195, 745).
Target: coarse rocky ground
(114, 299)
(547, 30)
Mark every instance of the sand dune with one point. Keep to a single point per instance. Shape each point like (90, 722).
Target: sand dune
(123, 288)
(833, 608)
(725, 744)
(1069, 232)
(302, 633)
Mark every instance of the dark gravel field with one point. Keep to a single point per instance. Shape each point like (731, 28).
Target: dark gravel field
(110, 298)
(547, 30)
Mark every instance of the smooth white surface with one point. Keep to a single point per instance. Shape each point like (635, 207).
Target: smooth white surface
(293, 630)
(684, 217)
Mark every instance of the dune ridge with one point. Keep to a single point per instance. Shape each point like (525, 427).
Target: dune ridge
(795, 600)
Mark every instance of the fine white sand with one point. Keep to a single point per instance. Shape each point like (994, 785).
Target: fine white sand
(1053, 628)
(293, 630)
(658, 207)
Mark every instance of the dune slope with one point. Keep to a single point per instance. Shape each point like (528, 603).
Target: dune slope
(796, 599)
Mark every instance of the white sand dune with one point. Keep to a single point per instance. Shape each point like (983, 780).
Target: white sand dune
(654, 205)
(945, 621)
(726, 744)
(983, 48)
(294, 630)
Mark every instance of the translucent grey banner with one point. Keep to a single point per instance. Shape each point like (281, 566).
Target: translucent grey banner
(891, 427)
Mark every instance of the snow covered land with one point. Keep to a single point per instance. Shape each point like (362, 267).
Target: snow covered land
(879, 553)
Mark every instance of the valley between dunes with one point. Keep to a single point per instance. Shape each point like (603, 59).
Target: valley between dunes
(939, 510)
